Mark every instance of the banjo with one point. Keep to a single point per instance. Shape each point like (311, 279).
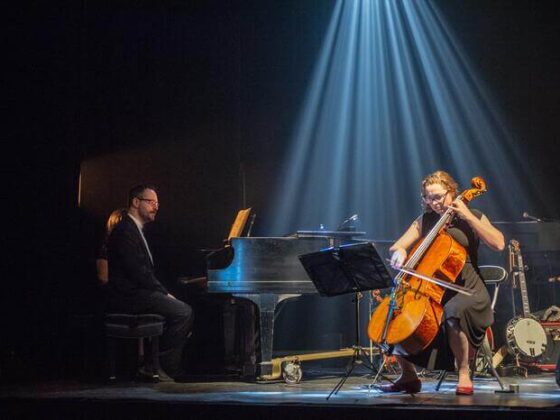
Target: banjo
(525, 336)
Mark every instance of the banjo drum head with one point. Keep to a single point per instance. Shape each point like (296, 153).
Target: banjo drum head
(527, 337)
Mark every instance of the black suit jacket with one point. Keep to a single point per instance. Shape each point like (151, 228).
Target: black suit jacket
(132, 278)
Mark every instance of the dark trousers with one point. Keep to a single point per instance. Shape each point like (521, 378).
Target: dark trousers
(178, 324)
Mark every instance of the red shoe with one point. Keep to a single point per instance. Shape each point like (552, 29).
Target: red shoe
(410, 387)
(464, 390)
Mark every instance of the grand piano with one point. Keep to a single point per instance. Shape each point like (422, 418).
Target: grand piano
(267, 271)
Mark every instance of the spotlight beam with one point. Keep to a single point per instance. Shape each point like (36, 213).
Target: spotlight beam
(392, 97)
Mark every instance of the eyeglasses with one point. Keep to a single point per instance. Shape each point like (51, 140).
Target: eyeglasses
(149, 200)
(434, 198)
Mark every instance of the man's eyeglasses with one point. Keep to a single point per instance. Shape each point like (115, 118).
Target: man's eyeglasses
(434, 198)
(150, 201)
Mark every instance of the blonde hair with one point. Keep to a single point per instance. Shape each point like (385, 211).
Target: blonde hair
(114, 218)
(442, 178)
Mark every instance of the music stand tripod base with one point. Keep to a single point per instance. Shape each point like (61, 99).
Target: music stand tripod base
(348, 269)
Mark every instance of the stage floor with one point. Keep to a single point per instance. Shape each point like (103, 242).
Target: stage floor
(538, 397)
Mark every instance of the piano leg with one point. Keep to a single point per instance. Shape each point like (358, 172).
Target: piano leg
(266, 312)
(266, 303)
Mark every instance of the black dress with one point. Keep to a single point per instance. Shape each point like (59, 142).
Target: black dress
(474, 313)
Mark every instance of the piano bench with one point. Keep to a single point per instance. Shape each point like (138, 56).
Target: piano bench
(135, 327)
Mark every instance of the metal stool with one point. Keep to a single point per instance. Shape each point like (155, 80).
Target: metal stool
(128, 326)
(492, 275)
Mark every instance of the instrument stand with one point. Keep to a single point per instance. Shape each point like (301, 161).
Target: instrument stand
(348, 269)
(514, 369)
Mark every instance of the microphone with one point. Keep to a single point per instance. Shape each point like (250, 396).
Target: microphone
(528, 216)
(352, 218)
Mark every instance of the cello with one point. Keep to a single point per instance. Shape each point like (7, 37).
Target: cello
(409, 318)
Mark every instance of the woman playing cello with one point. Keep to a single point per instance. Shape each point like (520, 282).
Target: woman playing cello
(465, 317)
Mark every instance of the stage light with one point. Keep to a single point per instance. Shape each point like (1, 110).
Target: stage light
(393, 97)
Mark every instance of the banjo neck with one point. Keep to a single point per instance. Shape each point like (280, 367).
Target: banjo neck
(525, 336)
(519, 271)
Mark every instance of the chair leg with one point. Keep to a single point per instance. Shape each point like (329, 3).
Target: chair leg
(472, 364)
(487, 352)
(111, 357)
(155, 356)
(141, 358)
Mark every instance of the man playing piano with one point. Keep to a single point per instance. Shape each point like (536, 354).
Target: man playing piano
(133, 286)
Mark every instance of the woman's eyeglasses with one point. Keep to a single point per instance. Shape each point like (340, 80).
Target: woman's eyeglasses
(434, 198)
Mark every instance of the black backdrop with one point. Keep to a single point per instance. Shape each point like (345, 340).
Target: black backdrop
(214, 88)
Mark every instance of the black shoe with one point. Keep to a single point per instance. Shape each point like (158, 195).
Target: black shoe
(146, 373)
(164, 377)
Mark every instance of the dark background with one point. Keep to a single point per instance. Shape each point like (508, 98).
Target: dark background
(199, 98)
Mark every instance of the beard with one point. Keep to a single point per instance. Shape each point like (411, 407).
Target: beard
(149, 216)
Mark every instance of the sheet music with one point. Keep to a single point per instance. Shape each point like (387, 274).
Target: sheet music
(239, 223)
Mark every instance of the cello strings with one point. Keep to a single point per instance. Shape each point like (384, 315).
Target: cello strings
(414, 258)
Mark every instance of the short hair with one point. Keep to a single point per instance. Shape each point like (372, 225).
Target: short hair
(442, 178)
(137, 190)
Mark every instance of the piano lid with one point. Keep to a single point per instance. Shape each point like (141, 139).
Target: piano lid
(266, 265)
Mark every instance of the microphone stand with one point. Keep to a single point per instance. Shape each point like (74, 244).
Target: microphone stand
(539, 219)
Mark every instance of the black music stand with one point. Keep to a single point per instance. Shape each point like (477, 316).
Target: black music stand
(347, 269)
